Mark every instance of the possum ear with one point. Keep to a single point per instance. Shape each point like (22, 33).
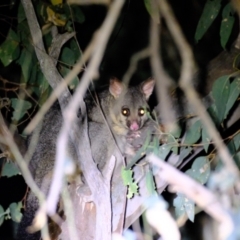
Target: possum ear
(147, 87)
(116, 87)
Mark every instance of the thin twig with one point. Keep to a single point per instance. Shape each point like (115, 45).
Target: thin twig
(163, 80)
(144, 53)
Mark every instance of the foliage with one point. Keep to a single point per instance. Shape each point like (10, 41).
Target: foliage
(128, 181)
(13, 212)
(9, 169)
(209, 14)
(224, 93)
(18, 47)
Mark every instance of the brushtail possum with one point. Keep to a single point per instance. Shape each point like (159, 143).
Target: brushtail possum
(123, 110)
(126, 111)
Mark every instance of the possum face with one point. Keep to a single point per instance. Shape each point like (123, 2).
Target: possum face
(130, 109)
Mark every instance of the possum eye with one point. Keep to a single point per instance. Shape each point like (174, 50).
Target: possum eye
(141, 112)
(125, 112)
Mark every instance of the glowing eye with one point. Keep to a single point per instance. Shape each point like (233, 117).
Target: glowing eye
(125, 112)
(141, 112)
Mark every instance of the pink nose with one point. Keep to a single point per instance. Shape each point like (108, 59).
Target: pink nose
(134, 126)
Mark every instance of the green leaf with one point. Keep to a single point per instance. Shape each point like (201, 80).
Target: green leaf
(2, 213)
(128, 181)
(74, 83)
(78, 15)
(201, 169)
(226, 24)
(26, 63)
(233, 95)
(39, 84)
(42, 82)
(10, 169)
(126, 176)
(24, 32)
(231, 147)
(206, 140)
(164, 150)
(178, 203)
(132, 189)
(236, 141)
(20, 108)
(176, 132)
(190, 173)
(9, 50)
(44, 96)
(234, 152)
(150, 183)
(154, 147)
(184, 205)
(15, 211)
(75, 48)
(212, 110)
(21, 14)
(47, 38)
(193, 133)
(67, 56)
(184, 152)
(190, 209)
(32, 81)
(153, 10)
(220, 93)
(236, 158)
(210, 12)
(172, 143)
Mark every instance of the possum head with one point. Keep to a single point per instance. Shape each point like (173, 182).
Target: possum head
(129, 109)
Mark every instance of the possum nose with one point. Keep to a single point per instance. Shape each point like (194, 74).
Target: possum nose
(134, 126)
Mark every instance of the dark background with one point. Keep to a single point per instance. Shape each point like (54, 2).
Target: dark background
(131, 34)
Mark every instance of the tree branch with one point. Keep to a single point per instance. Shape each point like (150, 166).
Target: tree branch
(58, 41)
(46, 63)
(195, 191)
(100, 187)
